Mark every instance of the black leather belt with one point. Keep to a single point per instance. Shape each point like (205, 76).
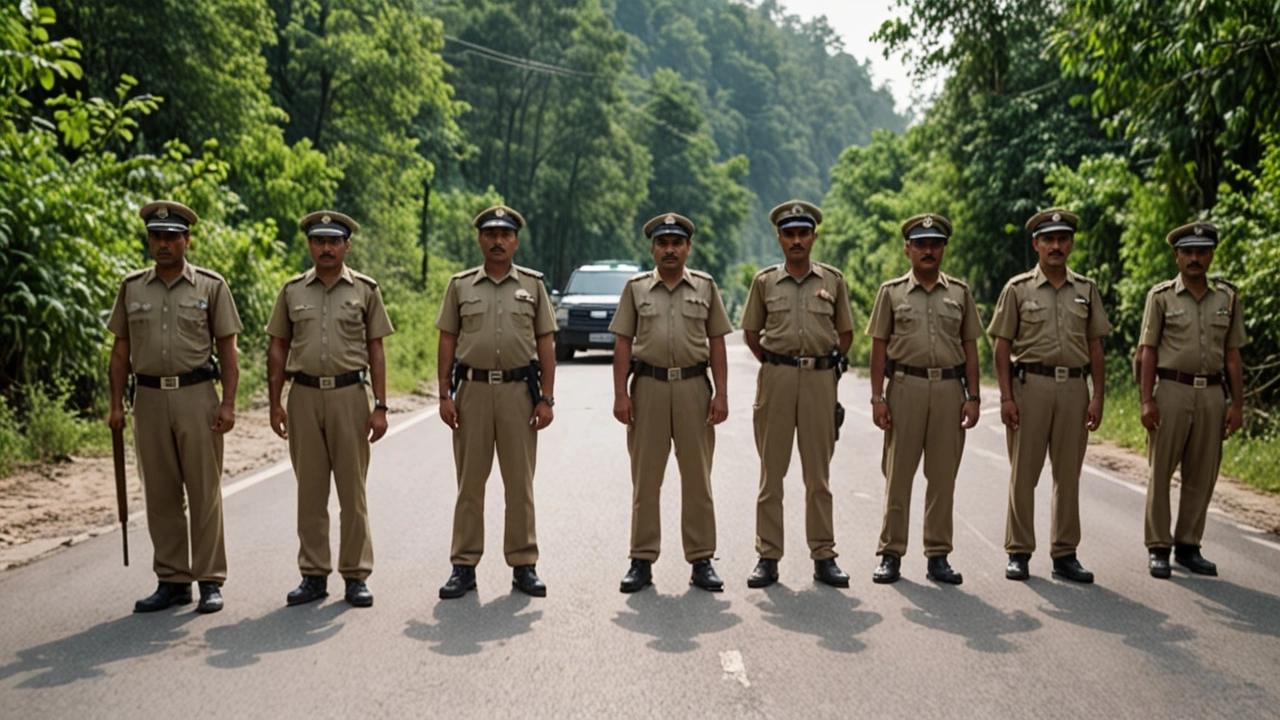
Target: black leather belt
(330, 382)
(1189, 379)
(1058, 372)
(173, 382)
(493, 377)
(804, 362)
(671, 374)
(951, 373)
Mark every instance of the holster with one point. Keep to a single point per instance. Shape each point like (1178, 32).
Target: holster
(839, 418)
(534, 381)
(454, 376)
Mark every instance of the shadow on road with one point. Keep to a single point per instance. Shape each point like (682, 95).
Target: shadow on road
(675, 620)
(1098, 608)
(288, 628)
(825, 612)
(1239, 608)
(81, 656)
(464, 625)
(954, 611)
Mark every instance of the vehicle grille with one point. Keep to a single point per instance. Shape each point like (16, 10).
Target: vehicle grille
(580, 319)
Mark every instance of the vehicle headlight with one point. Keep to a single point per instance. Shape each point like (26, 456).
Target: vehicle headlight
(562, 314)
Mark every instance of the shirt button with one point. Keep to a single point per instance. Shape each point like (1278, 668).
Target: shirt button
(164, 309)
(164, 327)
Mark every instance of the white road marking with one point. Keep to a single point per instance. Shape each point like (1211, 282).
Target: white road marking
(1140, 489)
(731, 663)
(988, 411)
(997, 429)
(998, 457)
(862, 495)
(1264, 543)
(979, 535)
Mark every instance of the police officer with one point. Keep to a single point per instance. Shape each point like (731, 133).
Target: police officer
(166, 320)
(1191, 331)
(1048, 328)
(496, 321)
(326, 332)
(924, 329)
(798, 325)
(670, 327)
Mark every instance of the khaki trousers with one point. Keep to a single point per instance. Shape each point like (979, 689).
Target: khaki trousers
(179, 453)
(926, 420)
(794, 405)
(667, 413)
(489, 417)
(327, 437)
(1190, 435)
(1052, 416)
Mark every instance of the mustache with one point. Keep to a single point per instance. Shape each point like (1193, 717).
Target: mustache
(1196, 265)
(928, 257)
(669, 257)
(496, 248)
(1055, 253)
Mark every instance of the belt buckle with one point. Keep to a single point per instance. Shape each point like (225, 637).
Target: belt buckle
(807, 363)
(169, 383)
(327, 383)
(1060, 373)
(1200, 381)
(495, 377)
(935, 373)
(674, 375)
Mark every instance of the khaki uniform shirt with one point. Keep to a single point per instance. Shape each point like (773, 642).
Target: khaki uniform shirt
(671, 326)
(925, 328)
(171, 328)
(1048, 326)
(798, 317)
(1192, 336)
(497, 321)
(329, 328)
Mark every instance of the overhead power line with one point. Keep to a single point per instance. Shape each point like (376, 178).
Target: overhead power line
(520, 62)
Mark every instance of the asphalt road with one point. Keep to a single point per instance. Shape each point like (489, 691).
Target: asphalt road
(1128, 646)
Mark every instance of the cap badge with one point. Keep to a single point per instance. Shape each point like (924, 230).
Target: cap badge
(1199, 230)
(326, 219)
(1057, 217)
(928, 221)
(797, 210)
(162, 213)
(670, 219)
(499, 213)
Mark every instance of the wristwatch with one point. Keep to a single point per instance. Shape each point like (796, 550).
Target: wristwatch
(378, 404)
(972, 398)
(550, 401)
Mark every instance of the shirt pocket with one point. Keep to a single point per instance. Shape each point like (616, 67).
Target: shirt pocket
(950, 317)
(472, 312)
(1177, 324)
(1077, 317)
(351, 320)
(695, 311)
(821, 306)
(522, 312)
(193, 318)
(139, 316)
(904, 318)
(1033, 315)
(1218, 327)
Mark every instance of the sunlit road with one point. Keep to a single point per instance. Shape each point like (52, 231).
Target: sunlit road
(1129, 646)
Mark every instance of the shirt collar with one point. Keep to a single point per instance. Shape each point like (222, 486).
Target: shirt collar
(188, 273)
(814, 269)
(1180, 287)
(912, 283)
(310, 276)
(655, 278)
(482, 275)
(1039, 278)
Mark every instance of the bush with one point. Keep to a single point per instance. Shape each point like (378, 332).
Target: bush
(52, 433)
(11, 442)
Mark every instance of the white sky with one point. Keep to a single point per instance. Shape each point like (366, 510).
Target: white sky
(855, 21)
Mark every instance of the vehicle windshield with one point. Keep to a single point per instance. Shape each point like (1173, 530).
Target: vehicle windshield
(604, 282)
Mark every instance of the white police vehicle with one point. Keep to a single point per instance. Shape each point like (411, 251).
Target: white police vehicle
(586, 306)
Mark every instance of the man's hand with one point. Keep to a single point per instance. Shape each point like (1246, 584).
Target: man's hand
(881, 416)
(280, 421)
(1009, 414)
(1150, 415)
(225, 419)
(623, 410)
(718, 411)
(115, 419)
(969, 415)
(1235, 421)
(449, 412)
(1093, 418)
(542, 416)
(376, 427)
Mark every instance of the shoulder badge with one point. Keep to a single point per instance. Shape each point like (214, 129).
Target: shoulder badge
(527, 271)
(465, 273)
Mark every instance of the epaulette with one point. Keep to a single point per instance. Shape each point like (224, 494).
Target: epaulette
(1075, 276)
(1161, 286)
(527, 271)
(895, 281)
(465, 273)
(1020, 277)
(1230, 285)
(135, 275)
(957, 281)
(700, 274)
(365, 278)
(208, 273)
(295, 278)
(832, 268)
(769, 269)
(639, 276)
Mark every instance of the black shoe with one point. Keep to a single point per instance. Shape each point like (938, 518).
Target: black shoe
(1069, 567)
(167, 594)
(358, 593)
(525, 579)
(889, 571)
(1158, 563)
(313, 587)
(1018, 567)
(705, 577)
(940, 571)
(210, 598)
(828, 572)
(765, 574)
(638, 577)
(1189, 557)
(461, 580)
